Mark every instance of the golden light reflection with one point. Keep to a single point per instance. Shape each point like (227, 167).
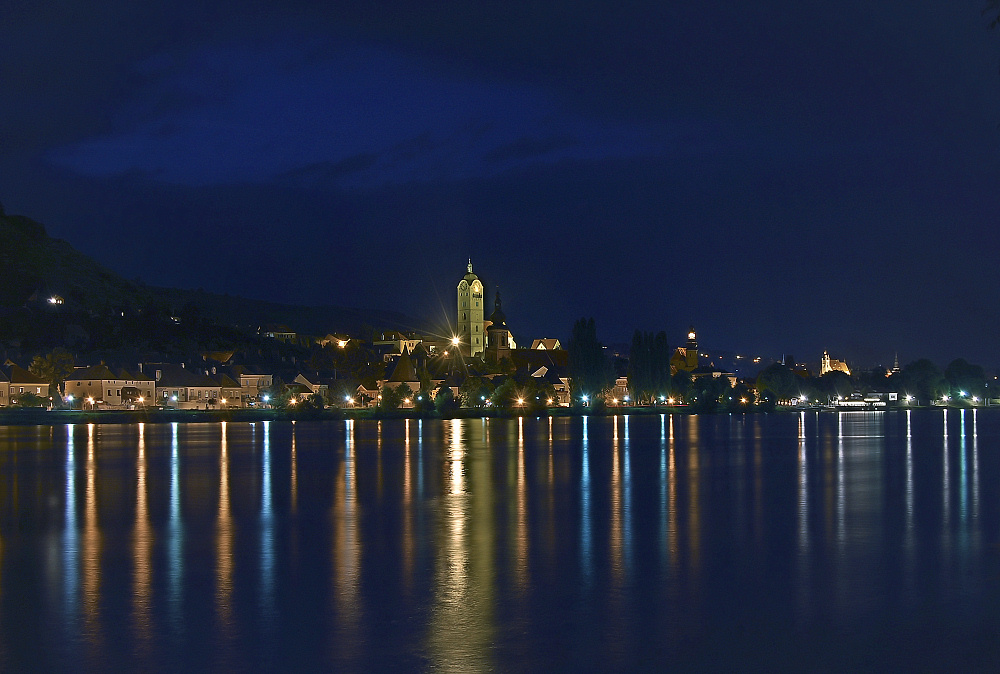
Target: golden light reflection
(672, 539)
(142, 551)
(460, 633)
(378, 452)
(408, 511)
(694, 500)
(521, 535)
(550, 537)
(224, 541)
(617, 564)
(91, 550)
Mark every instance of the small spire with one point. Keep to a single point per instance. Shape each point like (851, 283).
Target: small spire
(470, 265)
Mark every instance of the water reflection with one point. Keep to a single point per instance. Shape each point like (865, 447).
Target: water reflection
(598, 542)
(521, 517)
(71, 543)
(585, 543)
(346, 549)
(142, 552)
(175, 534)
(224, 542)
(266, 531)
(92, 553)
(461, 625)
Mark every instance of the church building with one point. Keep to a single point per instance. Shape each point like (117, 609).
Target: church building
(686, 357)
(471, 334)
(499, 342)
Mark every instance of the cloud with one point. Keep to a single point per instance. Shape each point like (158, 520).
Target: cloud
(231, 115)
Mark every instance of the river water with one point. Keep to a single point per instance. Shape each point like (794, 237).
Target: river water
(792, 542)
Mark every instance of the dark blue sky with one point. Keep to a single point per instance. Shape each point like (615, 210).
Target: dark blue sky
(788, 177)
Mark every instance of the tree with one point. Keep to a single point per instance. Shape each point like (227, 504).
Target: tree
(779, 380)
(505, 396)
(707, 393)
(445, 400)
(391, 398)
(923, 380)
(29, 400)
(404, 392)
(53, 367)
(835, 384)
(965, 377)
(475, 391)
(588, 366)
(648, 366)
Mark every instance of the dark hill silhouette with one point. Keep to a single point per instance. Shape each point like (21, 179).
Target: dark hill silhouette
(37, 267)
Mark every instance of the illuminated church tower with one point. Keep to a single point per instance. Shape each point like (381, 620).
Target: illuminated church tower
(692, 350)
(470, 314)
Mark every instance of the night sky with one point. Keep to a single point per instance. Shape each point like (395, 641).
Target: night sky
(787, 177)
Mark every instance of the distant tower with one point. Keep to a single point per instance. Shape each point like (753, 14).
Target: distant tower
(824, 364)
(895, 364)
(470, 314)
(498, 342)
(691, 355)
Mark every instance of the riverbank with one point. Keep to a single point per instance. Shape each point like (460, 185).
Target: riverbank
(41, 417)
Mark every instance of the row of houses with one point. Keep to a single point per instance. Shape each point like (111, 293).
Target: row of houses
(151, 384)
(166, 385)
(16, 382)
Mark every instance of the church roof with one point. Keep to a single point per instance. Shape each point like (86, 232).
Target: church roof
(404, 370)
(497, 318)
(469, 275)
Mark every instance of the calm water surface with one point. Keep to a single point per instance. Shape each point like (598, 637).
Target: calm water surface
(800, 542)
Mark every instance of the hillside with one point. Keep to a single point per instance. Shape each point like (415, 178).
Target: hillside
(38, 267)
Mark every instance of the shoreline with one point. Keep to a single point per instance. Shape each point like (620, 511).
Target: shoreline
(42, 417)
